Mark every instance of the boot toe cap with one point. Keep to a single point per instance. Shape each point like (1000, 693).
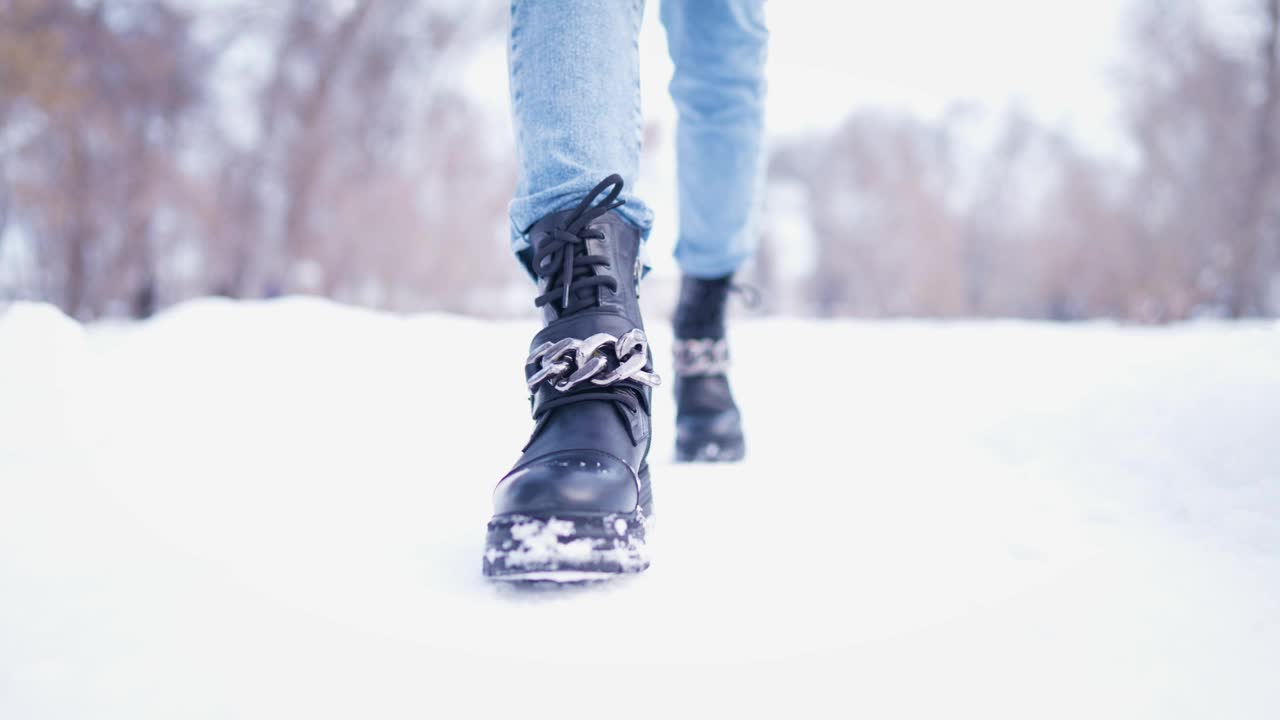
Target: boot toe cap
(568, 481)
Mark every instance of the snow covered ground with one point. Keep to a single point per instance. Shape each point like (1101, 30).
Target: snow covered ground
(276, 510)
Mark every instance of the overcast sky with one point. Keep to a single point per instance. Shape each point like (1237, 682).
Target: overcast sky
(921, 55)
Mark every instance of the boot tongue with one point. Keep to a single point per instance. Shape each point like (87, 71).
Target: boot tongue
(571, 272)
(561, 270)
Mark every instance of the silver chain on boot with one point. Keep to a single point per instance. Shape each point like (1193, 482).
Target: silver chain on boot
(601, 359)
(701, 356)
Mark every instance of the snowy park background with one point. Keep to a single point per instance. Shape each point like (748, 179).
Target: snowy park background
(992, 158)
(1012, 400)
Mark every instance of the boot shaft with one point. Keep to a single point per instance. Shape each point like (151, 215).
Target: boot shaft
(700, 311)
(597, 271)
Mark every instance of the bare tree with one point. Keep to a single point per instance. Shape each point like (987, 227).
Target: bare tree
(145, 163)
(1256, 261)
(96, 91)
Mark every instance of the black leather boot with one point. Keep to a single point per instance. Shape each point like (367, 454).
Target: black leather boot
(575, 505)
(708, 424)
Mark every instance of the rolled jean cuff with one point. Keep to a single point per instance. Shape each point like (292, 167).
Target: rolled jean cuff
(526, 211)
(707, 266)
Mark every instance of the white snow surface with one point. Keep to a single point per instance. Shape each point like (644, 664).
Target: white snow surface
(277, 510)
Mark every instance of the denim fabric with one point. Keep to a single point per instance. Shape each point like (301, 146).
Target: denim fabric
(575, 97)
(718, 47)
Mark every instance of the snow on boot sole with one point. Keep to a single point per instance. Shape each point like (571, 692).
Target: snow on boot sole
(565, 547)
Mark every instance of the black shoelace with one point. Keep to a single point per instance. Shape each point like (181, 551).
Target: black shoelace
(562, 259)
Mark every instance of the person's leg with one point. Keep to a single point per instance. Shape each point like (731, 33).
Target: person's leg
(575, 99)
(718, 47)
(576, 502)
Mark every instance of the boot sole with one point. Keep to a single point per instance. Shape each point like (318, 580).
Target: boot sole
(565, 547)
(712, 452)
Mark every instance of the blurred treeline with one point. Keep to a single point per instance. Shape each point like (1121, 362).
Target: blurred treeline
(158, 149)
(1185, 221)
(154, 150)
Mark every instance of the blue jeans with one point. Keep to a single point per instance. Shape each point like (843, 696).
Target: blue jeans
(575, 96)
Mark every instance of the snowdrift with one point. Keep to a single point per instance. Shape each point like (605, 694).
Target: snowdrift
(273, 510)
